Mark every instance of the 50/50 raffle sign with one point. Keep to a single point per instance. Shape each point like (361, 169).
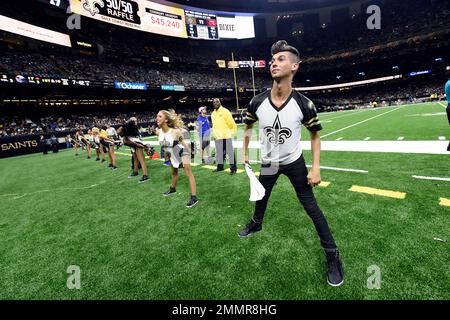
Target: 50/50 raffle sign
(145, 15)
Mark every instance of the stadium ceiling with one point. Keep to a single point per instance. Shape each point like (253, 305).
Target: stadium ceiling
(261, 6)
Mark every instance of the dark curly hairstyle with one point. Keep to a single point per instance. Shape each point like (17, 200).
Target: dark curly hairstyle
(282, 45)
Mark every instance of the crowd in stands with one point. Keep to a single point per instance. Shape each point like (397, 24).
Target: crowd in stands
(399, 20)
(137, 56)
(97, 68)
(21, 125)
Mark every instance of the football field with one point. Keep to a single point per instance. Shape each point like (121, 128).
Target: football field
(389, 213)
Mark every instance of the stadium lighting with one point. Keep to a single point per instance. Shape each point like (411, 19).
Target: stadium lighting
(395, 67)
(438, 59)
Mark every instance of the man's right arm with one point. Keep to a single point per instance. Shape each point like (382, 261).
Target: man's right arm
(247, 136)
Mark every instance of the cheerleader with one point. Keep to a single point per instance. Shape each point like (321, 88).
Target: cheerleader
(97, 144)
(83, 141)
(107, 143)
(130, 133)
(170, 136)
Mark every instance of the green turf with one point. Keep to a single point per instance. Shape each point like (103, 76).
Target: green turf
(424, 121)
(132, 243)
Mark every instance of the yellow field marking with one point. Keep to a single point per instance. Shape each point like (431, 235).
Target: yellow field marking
(444, 202)
(237, 171)
(379, 192)
(257, 173)
(193, 164)
(324, 184)
(210, 167)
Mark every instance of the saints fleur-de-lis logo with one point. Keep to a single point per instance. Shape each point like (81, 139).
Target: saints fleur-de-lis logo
(277, 134)
(89, 5)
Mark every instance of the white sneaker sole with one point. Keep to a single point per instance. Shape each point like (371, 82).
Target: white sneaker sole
(249, 235)
(335, 285)
(192, 205)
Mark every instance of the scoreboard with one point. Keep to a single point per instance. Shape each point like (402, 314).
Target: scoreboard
(200, 25)
(168, 19)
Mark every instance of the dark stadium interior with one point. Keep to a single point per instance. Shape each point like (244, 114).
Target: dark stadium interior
(415, 36)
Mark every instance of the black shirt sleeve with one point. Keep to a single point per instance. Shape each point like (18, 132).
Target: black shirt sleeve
(310, 118)
(250, 114)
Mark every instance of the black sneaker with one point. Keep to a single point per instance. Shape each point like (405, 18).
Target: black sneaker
(170, 192)
(335, 273)
(103, 160)
(97, 159)
(192, 202)
(110, 165)
(133, 174)
(113, 168)
(143, 179)
(218, 170)
(250, 229)
(232, 172)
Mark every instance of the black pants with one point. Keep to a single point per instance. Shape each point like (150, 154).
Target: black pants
(223, 147)
(297, 174)
(45, 148)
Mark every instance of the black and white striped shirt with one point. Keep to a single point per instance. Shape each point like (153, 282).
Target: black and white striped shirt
(280, 128)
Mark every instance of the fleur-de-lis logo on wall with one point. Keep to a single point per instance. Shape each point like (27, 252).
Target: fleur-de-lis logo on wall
(277, 134)
(89, 5)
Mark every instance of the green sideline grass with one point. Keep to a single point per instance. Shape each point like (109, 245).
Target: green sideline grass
(132, 243)
(424, 121)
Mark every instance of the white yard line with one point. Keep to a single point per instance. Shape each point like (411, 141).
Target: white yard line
(360, 122)
(431, 178)
(328, 168)
(341, 169)
(366, 139)
(400, 138)
(441, 138)
(21, 195)
(348, 113)
(421, 147)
